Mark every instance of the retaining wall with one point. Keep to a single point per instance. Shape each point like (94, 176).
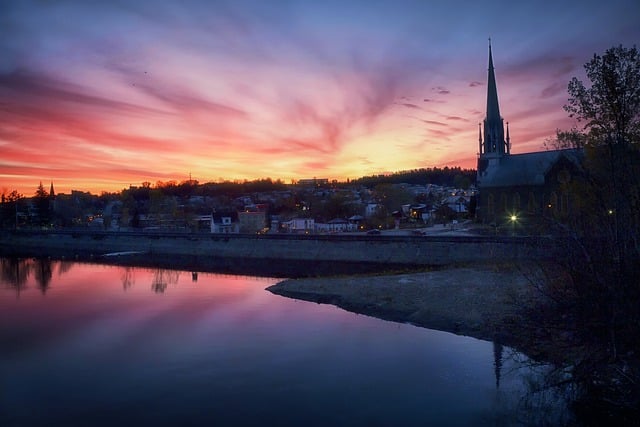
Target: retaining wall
(397, 250)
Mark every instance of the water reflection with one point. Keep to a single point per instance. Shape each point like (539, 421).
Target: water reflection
(128, 277)
(43, 273)
(15, 273)
(497, 361)
(226, 352)
(162, 278)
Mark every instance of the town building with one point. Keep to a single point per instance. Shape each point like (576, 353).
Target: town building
(299, 225)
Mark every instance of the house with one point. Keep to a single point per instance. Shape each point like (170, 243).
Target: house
(517, 185)
(372, 209)
(337, 225)
(299, 225)
(225, 223)
(356, 220)
(458, 203)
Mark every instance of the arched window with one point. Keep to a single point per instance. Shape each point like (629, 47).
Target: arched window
(531, 204)
(503, 202)
(516, 201)
(564, 203)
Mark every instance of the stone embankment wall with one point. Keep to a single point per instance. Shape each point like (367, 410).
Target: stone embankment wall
(397, 250)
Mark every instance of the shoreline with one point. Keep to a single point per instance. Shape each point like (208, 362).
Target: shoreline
(476, 300)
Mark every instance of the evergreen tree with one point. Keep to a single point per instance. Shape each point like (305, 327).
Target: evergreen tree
(42, 205)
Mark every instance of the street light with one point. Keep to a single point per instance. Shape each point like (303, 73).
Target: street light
(514, 219)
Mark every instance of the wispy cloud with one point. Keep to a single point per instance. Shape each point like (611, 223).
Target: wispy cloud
(409, 105)
(441, 90)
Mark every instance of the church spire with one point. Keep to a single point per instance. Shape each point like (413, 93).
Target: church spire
(493, 109)
(494, 141)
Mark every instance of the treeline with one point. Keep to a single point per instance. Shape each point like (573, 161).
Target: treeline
(191, 188)
(452, 177)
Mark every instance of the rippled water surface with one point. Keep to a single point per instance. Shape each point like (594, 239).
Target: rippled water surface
(89, 344)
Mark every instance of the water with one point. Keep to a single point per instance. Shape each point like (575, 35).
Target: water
(88, 344)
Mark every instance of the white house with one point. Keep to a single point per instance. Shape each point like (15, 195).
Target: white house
(371, 209)
(299, 225)
(337, 225)
(224, 224)
(218, 223)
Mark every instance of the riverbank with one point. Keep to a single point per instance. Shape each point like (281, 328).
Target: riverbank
(477, 300)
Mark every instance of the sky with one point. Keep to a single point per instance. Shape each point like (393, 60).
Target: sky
(100, 95)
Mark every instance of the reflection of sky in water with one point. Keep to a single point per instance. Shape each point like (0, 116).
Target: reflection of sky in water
(223, 350)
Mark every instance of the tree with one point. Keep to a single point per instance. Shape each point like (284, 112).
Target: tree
(610, 111)
(573, 138)
(9, 208)
(42, 202)
(598, 302)
(610, 107)
(392, 197)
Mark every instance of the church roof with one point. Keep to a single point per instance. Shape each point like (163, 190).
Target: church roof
(524, 169)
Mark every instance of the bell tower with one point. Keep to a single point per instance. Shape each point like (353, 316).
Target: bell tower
(492, 144)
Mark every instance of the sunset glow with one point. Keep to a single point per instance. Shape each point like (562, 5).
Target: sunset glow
(102, 95)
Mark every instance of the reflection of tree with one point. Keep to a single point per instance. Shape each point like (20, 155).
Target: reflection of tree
(497, 361)
(64, 267)
(162, 278)
(548, 398)
(43, 272)
(128, 278)
(15, 273)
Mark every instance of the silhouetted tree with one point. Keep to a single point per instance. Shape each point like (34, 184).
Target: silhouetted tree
(9, 209)
(597, 303)
(42, 205)
(572, 138)
(610, 109)
(392, 197)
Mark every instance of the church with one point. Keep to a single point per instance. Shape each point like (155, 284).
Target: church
(519, 187)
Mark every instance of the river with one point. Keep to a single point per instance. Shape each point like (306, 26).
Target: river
(92, 344)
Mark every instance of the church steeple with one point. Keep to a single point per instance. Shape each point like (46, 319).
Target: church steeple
(493, 109)
(494, 141)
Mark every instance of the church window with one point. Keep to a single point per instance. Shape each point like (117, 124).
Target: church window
(516, 201)
(491, 208)
(564, 203)
(531, 204)
(503, 202)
